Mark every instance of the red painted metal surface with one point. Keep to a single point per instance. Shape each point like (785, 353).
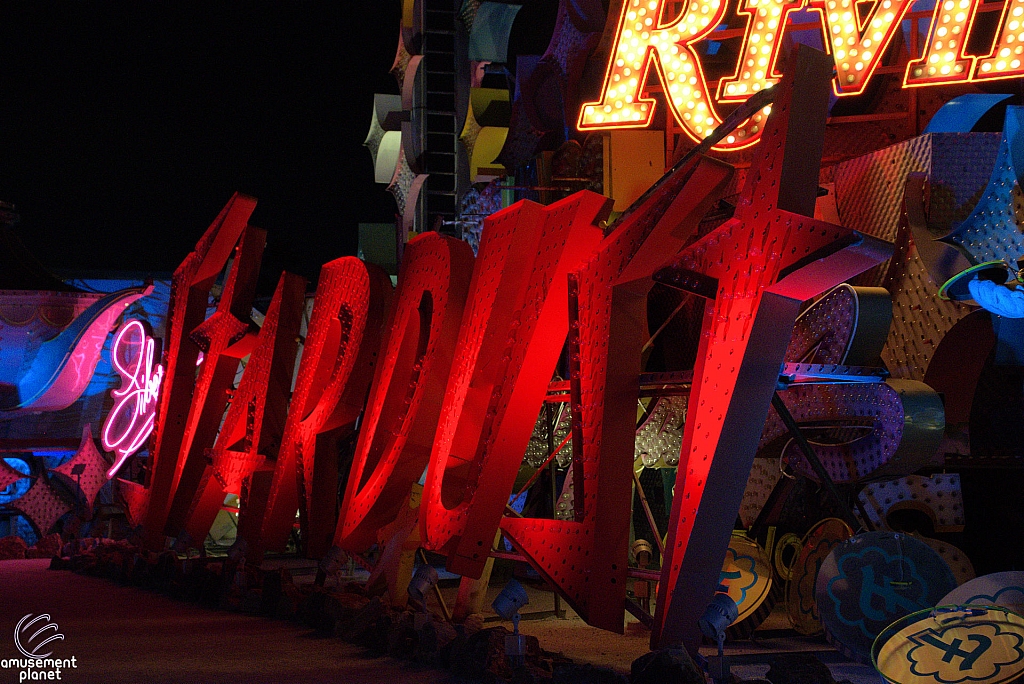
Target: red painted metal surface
(338, 360)
(755, 269)
(254, 423)
(408, 387)
(221, 337)
(190, 290)
(513, 331)
(92, 478)
(585, 559)
(42, 505)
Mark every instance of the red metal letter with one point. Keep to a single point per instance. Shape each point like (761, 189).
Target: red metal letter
(338, 360)
(512, 333)
(408, 386)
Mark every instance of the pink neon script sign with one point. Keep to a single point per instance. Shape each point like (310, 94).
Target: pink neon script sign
(133, 416)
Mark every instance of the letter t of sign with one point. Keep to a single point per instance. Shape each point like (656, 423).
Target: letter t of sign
(755, 269)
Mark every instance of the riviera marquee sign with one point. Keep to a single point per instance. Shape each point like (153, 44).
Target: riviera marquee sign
(856, 41)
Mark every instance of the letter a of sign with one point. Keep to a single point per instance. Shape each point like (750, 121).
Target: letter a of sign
(755, 269)
(404, 407)
(216, 336)
(585, 559)
(252, 427)
(512, 333)
(338, 360)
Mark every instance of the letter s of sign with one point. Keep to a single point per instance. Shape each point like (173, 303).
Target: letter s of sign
(133, 415)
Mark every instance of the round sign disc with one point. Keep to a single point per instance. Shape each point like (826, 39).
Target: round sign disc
(952, 645)
(1004, 589)
(747, 576)
(869, 581)
(816, 545)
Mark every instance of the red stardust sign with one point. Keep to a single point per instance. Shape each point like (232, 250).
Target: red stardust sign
(460, 364)
(131, 419)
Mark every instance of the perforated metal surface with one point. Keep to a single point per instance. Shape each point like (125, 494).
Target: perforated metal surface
(512, 334)
(537, 450)
(869, 189)
(135, 500)
(959, 564)
(585, 559)
(403, 410)
(939, 496)
(338, 360)
(190, 288)
(41, 505)
(216, 336)
(93, 477)
(660, 437)
(764, 475)
(252, 427)
(758, 267)
(993, 230)
(860, 431)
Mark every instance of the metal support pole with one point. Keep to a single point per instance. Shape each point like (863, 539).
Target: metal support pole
(437, 590)
(650, 516)
(812, 459)
(553, 472)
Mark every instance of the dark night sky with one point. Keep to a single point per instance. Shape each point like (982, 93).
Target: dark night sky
(126, 126)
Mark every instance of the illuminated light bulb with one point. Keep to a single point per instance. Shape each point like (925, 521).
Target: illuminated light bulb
(941, 31)
(731, 138)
